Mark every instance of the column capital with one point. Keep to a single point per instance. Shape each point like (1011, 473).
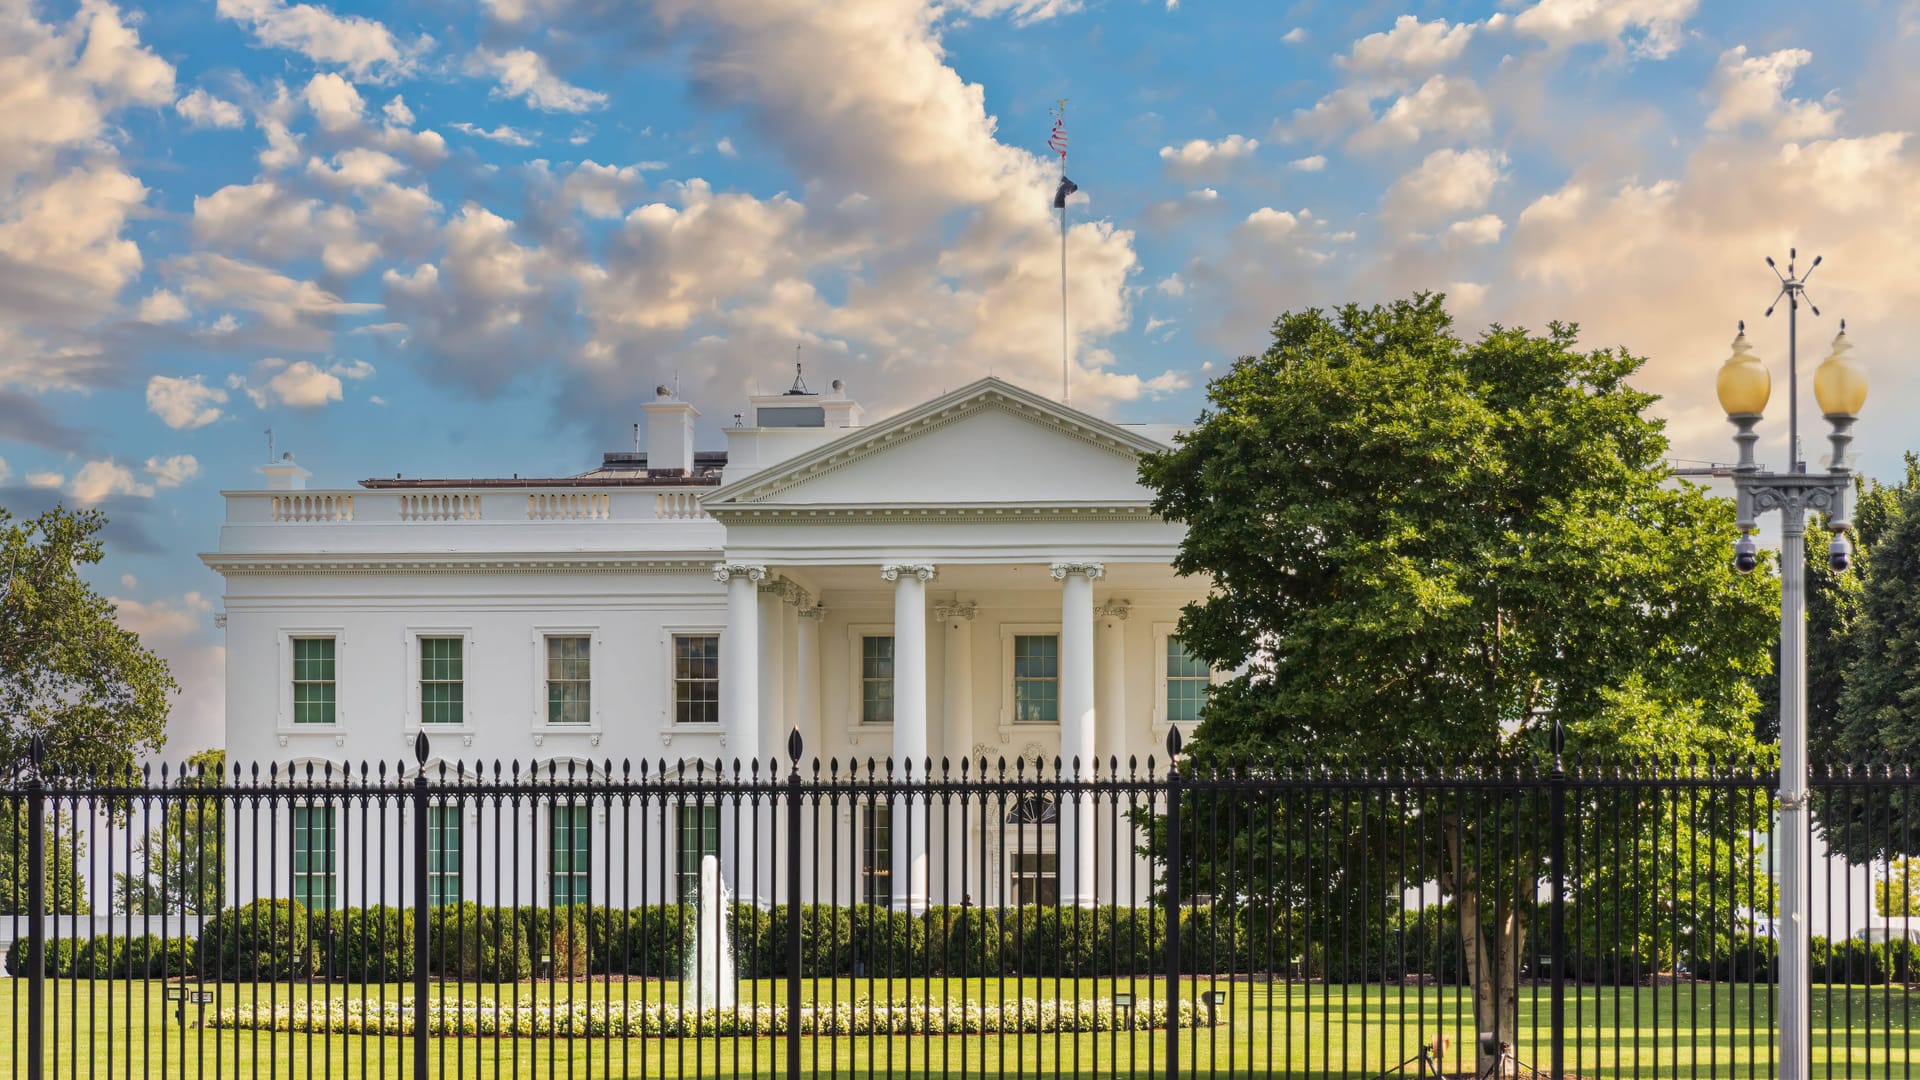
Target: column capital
(957, 610)
(727, 571)
(1092, 571)
(817, 613)
(1114, 609)
(892, 571)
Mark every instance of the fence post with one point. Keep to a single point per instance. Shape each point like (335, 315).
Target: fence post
(793, 907)
(36, 911)
(1173, 904)
(1557, 917)
(420, 909)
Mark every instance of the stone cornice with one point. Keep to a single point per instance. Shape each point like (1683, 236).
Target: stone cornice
(970, 514)
(231, 564)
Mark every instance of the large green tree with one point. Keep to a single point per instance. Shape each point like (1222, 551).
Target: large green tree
(178, 867)
(1423, 547)
(68, 671)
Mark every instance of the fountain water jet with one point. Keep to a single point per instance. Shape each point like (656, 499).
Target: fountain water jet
(709, 969)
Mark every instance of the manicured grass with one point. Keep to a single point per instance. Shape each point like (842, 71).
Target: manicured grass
(115, 1030)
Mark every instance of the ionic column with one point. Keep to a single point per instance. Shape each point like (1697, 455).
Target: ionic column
(740, 711)
(806, 656)
(909, 728)
(1076, 836)
(773, 673)
(1110, 739)
(956, 742)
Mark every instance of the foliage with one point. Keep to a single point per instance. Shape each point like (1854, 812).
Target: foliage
(68, 672)
(181, 863)
(65, 889)
(1896, 890)
(263, 941)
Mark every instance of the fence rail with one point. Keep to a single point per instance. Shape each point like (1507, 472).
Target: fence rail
(431, 919)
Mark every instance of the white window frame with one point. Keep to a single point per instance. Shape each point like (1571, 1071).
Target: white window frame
(1162, 633)
(856, 632)
(413, 722)
(669, 715)
(335, 827)
(1008, 631)
(595, 684)
(283, 724)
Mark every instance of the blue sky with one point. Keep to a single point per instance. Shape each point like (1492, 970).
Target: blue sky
(450, 239)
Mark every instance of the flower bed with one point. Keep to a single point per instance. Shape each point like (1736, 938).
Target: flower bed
(1028, 1016)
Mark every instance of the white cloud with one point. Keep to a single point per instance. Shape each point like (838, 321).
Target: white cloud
(1311, 163)
(161, 306)
(269, 221)
(45, 480)
(1295, 36)
(202, 110)
(605, 191)
(290, 310)
(184, 403)
(524, 74)
(396, 111)
(1651, 28)
(174, 471)
(1476, 231)
(6, 473)
(335, 102)
(1410, 47)
(1752, 89)
(99, 480)
(352, 369)
(1446, 182)
(1200, 155)
(304, 386)
(1270, 224)
(725, 146)
(1440, 105)
(501, 133)
(1022, 12)
(63, 254)
(362, 47)
(161, 618)
(1171, 285)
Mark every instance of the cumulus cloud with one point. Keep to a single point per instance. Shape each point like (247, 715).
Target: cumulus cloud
(396, 111)
(1650, 28)
(1410, 47)
(1270, 224)
(173, 471)
(358, 45)
(524, 74)
(1446, 182)
(303, 385)
(1440, 105)
(202, 110)
(184, 403)
(501, 133)
(1753, 90)
(1476, 231)
(97, 480)
(161, 306)
(1310, 163)
(335, 103)
(1200, 155)
(287, 310)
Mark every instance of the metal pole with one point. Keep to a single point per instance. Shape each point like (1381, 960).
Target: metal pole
(1173, 904)
(1557, 917)
(1066, 382)
(420, 910)
(1793, 381)
(793, 908)
(1795, 989)
(36, 913)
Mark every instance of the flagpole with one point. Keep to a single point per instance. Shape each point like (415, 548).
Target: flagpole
(1066, 365)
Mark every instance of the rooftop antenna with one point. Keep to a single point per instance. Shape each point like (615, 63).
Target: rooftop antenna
(636, 438)
(269, 445)
(1793, 289)
(799, 384)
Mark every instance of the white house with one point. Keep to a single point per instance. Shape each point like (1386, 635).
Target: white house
(977, 577)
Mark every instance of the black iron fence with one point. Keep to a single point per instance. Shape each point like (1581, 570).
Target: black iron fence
(437, 919)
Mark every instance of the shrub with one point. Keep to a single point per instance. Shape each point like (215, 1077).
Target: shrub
(367, 944)
(258, 942)
(482, 944)
(59, 957)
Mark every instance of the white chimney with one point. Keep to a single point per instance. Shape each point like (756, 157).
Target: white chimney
(284, 475)
(669, 434)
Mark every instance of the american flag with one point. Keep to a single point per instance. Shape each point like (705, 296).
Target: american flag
(1057, 140)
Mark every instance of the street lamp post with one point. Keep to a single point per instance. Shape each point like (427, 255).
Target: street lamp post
(1841, 388)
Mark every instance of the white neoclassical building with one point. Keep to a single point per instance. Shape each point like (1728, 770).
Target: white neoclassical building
(977, 577)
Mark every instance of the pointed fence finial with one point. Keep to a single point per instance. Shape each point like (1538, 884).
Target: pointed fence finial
(420, 748)
(1173, 742)
(36, 752)
(794, 746)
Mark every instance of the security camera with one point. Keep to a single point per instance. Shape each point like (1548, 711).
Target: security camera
(1746, 554)
(1839, 554)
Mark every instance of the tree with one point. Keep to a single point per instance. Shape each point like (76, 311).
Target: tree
(64, 891)
(1423, 548)
(179, 866)
(68, 672)
(1896, 893)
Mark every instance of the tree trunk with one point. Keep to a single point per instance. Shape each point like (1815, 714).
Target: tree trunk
(1493, 959)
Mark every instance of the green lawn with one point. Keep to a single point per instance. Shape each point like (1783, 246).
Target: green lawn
(111, 1030)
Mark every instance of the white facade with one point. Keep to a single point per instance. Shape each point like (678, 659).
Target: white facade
(985, 522)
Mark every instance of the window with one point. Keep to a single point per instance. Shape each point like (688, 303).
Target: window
(1036, 878)
(876, 855)
(876, 679)
(1187, 681)
(442, 681)
(1036, 678)
(572, 854)
(313, 680)
(443, 855)
(313, 856)
(696, 678)
(569, 679)
(699, 837)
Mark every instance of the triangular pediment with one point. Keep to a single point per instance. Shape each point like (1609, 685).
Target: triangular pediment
(988, 443)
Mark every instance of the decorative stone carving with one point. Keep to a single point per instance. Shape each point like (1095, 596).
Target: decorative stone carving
(1114, 609)
(1093, 571)
(964, 609)
(818, 612)
(727, 571)
(892, 571)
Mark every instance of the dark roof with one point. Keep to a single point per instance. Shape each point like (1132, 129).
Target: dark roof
(620, 469)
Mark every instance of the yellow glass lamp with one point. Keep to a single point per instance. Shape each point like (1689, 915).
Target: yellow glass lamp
(1744, 383)
(1839, 384)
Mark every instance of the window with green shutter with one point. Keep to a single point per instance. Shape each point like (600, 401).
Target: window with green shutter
(313, 686)
(1036, 678)
(313, 857)
(442, 680)
(876, 679)
(572, 855)
(1187, 681)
